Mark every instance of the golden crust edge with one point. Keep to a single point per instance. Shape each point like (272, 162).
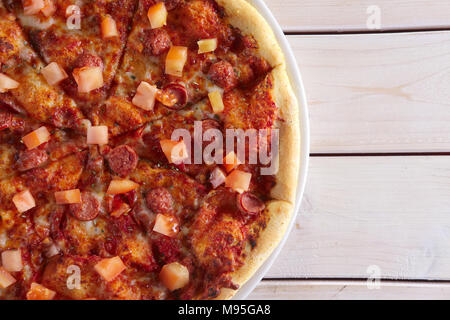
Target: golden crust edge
(245, 17)
(280, 213)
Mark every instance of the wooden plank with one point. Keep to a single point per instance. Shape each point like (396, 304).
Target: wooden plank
(351, 15)
(345, 290)
(377, 92)
(360, 213)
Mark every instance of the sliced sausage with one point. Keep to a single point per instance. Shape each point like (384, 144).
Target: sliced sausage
(249, 203)
(156, 41)
(88, 209)
(160, 200)
(30, 159)
(88, 60)
(222, 74)
(122, 160)
(174, 96)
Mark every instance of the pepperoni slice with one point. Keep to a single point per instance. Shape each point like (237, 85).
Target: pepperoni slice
(88, 209)
(174, 96)
(122, 160)
(249, 203)
(30, 159)
(156, 42)
(160, 200)
(222, 73)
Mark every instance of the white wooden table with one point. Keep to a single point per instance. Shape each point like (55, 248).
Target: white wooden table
(378, 192)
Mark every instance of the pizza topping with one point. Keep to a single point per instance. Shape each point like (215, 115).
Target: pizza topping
(49, 8)
(68, 196)
(207, 45)
(156, 42)
(145, 96)
(249, 203)
(6, 279)
(174, 276)
(122, 209)
(157, 15)
(31, 7)
(238, 180)
(215, 98)
(222, 73)
(230, 161)
(86, 210)
(166, 225)
(175, 152)
(217, 178)
(173, 96)
(12, 260)
(30, 159)
(88, 78)
(109, 269)
(36, 138)
(6, 83)
(97, 135)
(122, 160)
(175, 61)
(39, 292)
(160, 200)
(109, 28)
(24, 201)
(172, 4)
(54, 74)
(121, 186)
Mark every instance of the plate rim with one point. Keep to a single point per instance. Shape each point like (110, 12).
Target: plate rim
(295, 78)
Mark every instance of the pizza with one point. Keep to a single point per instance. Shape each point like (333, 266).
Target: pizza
(149, 149)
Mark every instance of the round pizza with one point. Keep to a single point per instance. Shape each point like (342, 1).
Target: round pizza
(148, 149)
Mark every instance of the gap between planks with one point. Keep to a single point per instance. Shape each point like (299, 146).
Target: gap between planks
(349, 289)
(330, 16)
(377, 93)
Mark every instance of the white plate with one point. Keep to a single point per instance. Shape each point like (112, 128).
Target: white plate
(297, 84)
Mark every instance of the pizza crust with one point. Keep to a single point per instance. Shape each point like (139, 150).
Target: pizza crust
(245, 17)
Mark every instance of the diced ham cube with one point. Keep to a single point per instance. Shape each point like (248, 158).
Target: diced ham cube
(88, 78)
(54, 74)
(166, 225)
(217, 178)
(97, 135)
(12, 260)
(36, 138)
(121, 186)
(109, 28)
(216, 101)
(109, 269)
(39, 292)
(49, 8)
(239, 181)
(175, 152)
(230, 161)
(174, 276)
(6, 83)
(68, 196)
(6, 279)
(145, 96)
(31, 7)
(157, 15)
(175, 61)
(207, 45)
(24, 201)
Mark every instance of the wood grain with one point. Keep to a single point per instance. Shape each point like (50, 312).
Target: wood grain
(351, 15)
(357, 212)
(344, 290)
(377, 92)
